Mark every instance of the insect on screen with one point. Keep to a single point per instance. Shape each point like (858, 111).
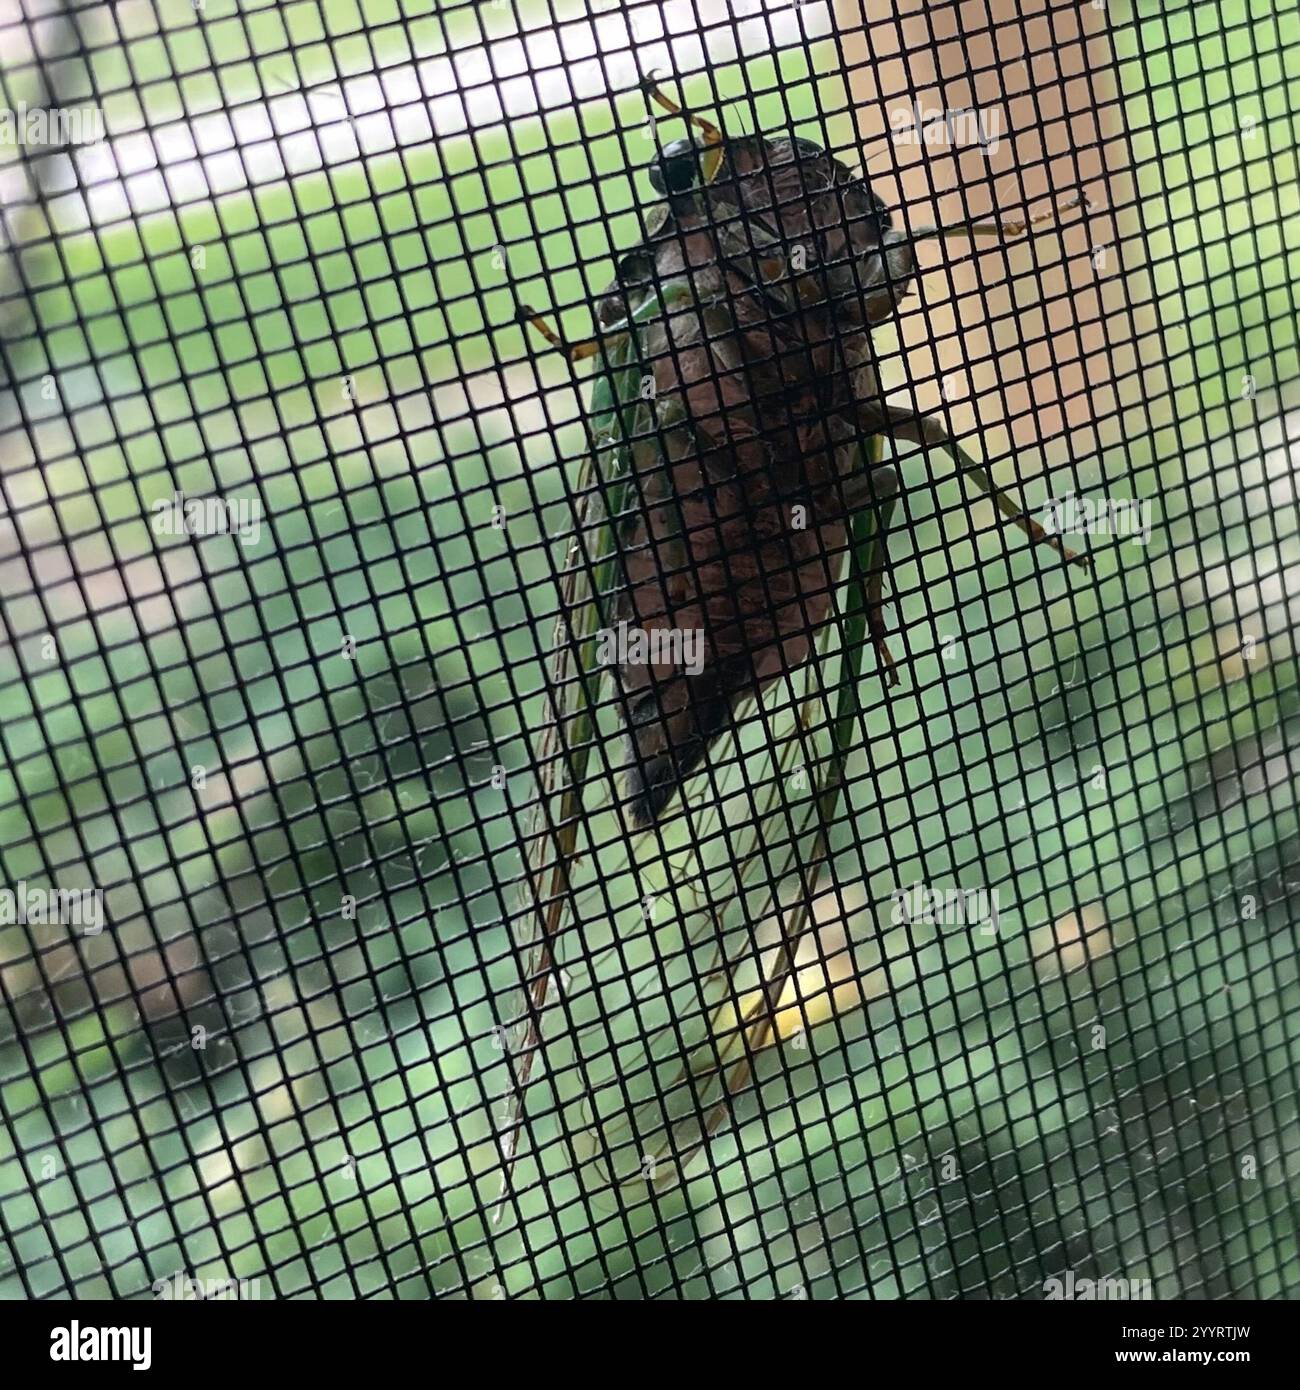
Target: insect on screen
(649, 649)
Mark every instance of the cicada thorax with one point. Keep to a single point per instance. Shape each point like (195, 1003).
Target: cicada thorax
(750, 360)
(816, 225)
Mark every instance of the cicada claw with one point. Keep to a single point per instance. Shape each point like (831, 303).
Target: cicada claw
(575, 352)
(1071, 557)
(1021, 226)
(888, 666)
(876, 616)
(654, 92)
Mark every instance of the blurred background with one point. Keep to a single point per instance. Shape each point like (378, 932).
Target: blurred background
(282, 275)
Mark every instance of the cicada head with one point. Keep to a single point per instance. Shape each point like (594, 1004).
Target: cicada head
(813, 222)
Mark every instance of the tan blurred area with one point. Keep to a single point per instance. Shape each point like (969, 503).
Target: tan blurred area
(1048, 341)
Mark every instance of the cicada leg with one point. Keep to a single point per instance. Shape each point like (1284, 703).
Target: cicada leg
(713, 138)
(575, 352)
(900, 423)
(878, 490)
(650, 86)
(1003, 228)
(884, 488)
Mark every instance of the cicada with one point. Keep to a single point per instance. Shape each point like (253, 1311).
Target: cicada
(725, 573)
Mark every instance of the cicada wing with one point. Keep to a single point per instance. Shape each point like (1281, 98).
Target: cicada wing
(718, 989)
(712, 952)
(580, 859)
(643, 949)
(572, 753)
(685, 947)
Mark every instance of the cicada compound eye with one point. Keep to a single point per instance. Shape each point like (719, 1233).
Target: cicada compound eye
(676, 168)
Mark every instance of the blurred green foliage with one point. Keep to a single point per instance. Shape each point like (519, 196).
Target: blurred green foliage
(336, 1134)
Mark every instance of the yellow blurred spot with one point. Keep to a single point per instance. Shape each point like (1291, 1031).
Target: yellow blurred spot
(1076, 939)
(825, 980)
(1239, 653)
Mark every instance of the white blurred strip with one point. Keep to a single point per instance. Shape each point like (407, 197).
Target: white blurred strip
(588, 57)
(556, 64)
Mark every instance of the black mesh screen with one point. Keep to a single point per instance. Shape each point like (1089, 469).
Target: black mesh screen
(333, 963)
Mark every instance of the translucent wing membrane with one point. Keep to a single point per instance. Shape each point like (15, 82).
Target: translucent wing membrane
(705, 961)
(569, 785)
